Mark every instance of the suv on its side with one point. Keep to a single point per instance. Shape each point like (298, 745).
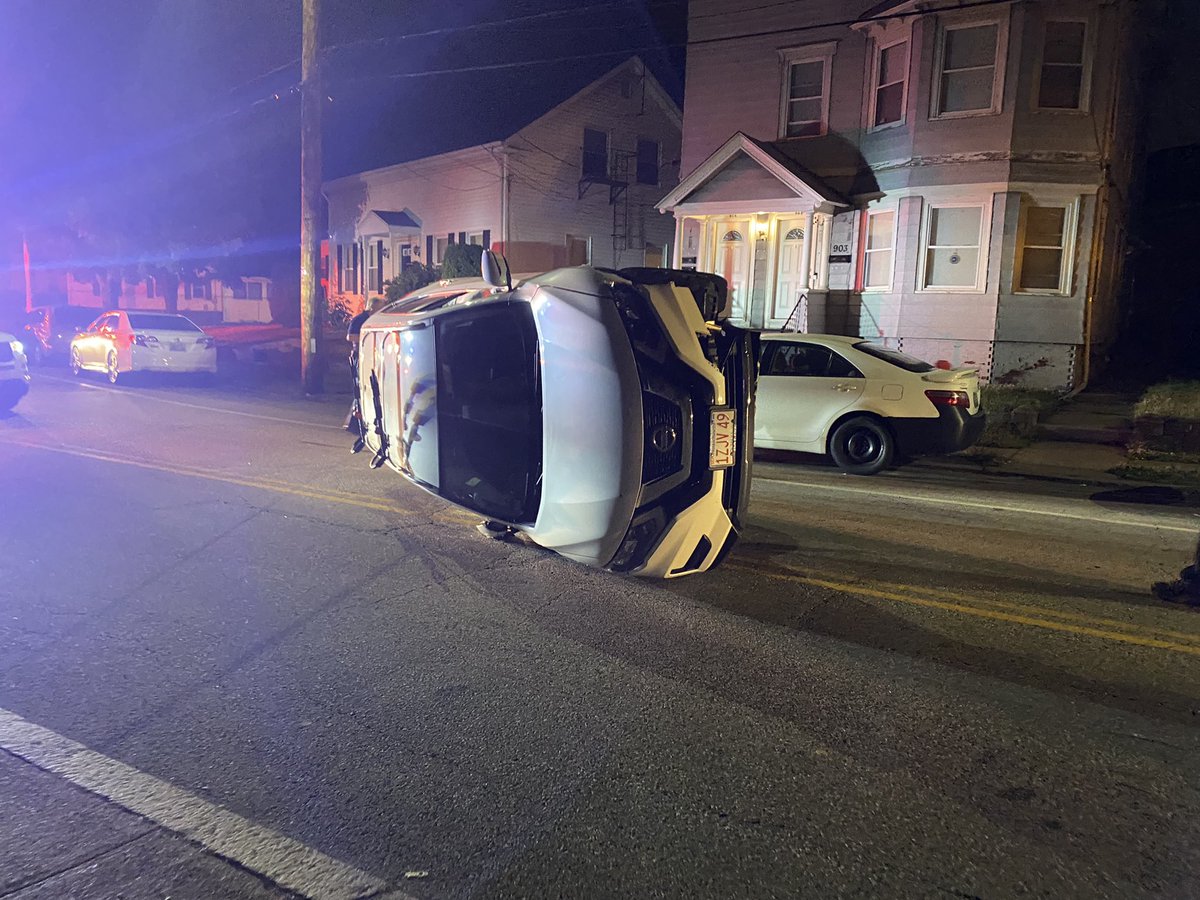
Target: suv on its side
(607, 415)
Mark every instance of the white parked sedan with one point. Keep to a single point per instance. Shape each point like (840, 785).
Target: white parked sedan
(14, 371)
(131, 341)
(862, 404)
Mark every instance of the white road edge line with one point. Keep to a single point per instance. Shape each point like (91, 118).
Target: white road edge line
(998, 507)
(282, 860)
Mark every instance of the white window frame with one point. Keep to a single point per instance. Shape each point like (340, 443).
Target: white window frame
(998, 66)
(1066, 271)
(791, 56)
(1085, 84)
(879, 288)
(984, 205)
(874, 85)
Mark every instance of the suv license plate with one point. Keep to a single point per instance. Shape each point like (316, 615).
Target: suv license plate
(724, 434)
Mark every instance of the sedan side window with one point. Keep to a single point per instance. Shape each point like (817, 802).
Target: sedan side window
(791, 358)
(840, 367)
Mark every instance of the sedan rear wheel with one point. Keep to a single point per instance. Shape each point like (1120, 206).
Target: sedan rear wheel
(862, 446)
(111, 367)
(76, 362)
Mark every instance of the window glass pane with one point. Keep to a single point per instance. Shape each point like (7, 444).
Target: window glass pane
(1044, 226)
(889, 104)
(879, 231)
(1061, 87)
(807, 79)
(952, 267)
(647, 162)
(892, 63)
(878, 271)
(805, 111)
(954, 226)
(1064, 43)
(806, 129)
(840, 367)
(1040, 269)
(964, 91)
(968, 47)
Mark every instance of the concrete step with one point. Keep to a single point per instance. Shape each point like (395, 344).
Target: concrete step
(1084, 433)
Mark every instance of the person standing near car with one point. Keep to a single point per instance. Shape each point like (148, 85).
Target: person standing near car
(1184, 589)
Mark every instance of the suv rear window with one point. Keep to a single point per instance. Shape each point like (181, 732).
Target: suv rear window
(895, 357)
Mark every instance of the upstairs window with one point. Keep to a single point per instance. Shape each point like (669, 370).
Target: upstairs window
(647, 161)
(891, 80)
(806, 72)
(595, 153)
(1062, 82)
(968, 80)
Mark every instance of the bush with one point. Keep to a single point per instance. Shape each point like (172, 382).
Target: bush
(413, 277)
(1170, 400)
(462, 261)
(1013, 414)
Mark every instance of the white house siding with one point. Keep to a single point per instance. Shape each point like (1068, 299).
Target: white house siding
(453, 193)
(1015, 155)
(541, 218)
(545, 160)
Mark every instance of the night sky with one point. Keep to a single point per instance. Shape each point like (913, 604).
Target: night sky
(179, 118)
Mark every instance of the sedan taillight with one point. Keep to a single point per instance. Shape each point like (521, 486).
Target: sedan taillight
(949, 398)
(206, 342)
(145, 340)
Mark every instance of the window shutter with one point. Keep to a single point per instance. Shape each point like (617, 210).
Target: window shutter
(379, 265)
(340, 283)
(429, 249)
(450, 238)
(487, 239)
(462, 237)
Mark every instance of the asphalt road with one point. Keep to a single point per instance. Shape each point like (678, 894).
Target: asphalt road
(921, 684)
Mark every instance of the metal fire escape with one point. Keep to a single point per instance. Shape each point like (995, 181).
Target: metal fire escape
(629, 218)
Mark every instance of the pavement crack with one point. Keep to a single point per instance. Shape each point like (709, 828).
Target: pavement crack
(78, 864)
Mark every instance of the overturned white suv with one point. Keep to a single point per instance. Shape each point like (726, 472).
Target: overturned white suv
(606, 415)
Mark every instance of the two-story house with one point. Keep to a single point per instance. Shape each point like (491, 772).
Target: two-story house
(577, 184)
(948, 178)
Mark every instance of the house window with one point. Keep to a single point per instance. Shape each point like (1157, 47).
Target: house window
(891, 79)
(439, 250)
(967, 75)
(151, 287)
(254, 290)
(953, 237)
(877, 252)
(647, 161)
(1046, 236)
(595, 153)
(805, 108)
(350, 279)
(196, 290)
(1061, 85)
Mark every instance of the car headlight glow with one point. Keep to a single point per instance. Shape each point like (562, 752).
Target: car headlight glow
(18, 347)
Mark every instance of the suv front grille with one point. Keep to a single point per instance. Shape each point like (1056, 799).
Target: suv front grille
(663, 441)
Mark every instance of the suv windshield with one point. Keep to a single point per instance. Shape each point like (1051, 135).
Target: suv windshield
(895, 357)
(489, 411)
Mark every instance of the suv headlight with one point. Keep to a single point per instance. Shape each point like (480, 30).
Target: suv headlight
(18, 347)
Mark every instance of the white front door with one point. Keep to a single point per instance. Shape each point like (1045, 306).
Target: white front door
(731, 261)
(789, 282)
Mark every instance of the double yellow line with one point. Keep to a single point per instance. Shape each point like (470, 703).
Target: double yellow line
(1001, 610)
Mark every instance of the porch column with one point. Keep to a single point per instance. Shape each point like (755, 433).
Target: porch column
(822, 251)
(806, 249)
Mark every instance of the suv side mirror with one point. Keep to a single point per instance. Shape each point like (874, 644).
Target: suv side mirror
(494, 268)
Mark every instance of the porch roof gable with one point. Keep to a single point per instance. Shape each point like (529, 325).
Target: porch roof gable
(794, 177)
(386, 221)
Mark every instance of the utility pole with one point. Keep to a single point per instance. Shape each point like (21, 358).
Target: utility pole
(312, 300)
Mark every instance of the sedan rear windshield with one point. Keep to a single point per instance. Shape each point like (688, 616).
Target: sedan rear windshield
(895, 357)
(155, 322)
(489, 411)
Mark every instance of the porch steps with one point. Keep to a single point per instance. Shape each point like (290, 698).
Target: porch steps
(1091, 418)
